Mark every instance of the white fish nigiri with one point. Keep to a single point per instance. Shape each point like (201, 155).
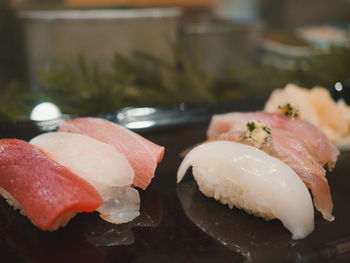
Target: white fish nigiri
(248, 178)
(108, 171)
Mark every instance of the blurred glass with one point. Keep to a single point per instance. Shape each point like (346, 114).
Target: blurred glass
(237, 10)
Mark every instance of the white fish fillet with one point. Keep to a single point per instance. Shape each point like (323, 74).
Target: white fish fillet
(248, 178)
(99, 164)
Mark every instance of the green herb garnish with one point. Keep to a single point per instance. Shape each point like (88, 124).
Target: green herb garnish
(289, 110)
(267, 130)
(258, 133)
(251, 126)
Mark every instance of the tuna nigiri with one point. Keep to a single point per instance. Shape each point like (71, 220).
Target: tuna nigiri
(99, 164)
(142, 154)
(314, 139)
(248, 178)
(49, 194)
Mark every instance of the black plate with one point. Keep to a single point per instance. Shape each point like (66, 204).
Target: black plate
(177, 222)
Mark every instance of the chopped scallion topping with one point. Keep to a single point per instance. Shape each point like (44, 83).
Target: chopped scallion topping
(289, 110)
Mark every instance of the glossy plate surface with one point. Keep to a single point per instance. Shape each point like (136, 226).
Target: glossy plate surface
(177, 223)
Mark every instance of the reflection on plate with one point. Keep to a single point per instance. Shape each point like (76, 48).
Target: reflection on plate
(81, 241)
(256, 239)
(104, 234)
(32, 245)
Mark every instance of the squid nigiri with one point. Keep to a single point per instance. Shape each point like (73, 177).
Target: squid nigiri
(287, 148)
(49, 194)
(142, 154)
(248, 178)
(99, 164)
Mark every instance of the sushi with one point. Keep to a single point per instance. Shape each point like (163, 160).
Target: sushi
(287, 148)
(142, 154)
(245, 177)
(298, 143)
(316, 106)
(99, 164)
(247, 158)
(313, 138)
(45, 191)
(90, 168)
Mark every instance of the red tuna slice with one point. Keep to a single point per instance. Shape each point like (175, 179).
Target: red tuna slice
(289, 149)
(48, 192)
(142, 154)
(314, 139)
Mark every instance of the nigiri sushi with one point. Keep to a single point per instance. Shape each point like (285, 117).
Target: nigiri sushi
(142, 154)
(246, 177)
(47, 192)
(287, 148)
(99, 164)
(316, 106)
(314, 139)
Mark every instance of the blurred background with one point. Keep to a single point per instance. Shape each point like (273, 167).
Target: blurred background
(91, 57)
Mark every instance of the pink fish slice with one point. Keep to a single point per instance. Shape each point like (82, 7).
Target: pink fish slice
(142, 154)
